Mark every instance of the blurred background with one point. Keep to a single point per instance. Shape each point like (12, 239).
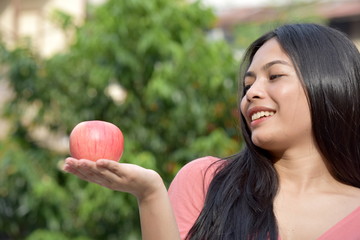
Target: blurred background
(164, 71)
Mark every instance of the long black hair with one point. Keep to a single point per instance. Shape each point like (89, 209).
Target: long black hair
(239, 202)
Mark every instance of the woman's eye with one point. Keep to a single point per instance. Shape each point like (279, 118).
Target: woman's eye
(274, 76)
(246, 88)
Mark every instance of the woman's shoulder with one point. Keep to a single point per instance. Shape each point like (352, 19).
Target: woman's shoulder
(197, 174)
(188, 190)
(202, 162)
(203, 165)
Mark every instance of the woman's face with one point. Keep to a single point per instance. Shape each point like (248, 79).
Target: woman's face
(275, 105)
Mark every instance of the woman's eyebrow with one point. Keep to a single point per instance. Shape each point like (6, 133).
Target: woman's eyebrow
(267, 66)
(249, 74)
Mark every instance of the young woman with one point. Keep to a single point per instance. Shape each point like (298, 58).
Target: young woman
(298, 176)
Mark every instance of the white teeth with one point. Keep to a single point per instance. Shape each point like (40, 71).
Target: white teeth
(261, 114)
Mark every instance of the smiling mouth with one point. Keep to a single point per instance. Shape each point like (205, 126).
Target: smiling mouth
(261, 114)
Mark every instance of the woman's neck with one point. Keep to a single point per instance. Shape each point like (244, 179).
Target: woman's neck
(303, 171)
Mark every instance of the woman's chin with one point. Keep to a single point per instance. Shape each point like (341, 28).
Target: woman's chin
(265, 142)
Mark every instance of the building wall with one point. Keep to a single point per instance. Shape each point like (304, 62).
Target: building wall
(22, 20)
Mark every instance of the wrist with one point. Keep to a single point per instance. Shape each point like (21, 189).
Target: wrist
(154, 188)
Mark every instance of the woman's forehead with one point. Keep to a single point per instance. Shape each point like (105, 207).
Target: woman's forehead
(269, 52)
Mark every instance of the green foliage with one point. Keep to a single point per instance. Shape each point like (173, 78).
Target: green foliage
(181, 100)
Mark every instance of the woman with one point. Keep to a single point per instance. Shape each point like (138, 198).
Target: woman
(298, 176)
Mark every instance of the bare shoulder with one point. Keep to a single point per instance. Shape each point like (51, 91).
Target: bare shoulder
(353, 193)
(348, 198)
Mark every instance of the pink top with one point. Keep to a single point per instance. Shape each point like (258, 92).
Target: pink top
(348, 228)
(188, 190)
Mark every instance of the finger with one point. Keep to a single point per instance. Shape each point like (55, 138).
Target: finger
(119, 175)
(70, 164)
(70, 161)
(82, 168)
(77, 163)
(118, 169)
(112, 171)
(75, 171)
(104, 172)
(91, 172)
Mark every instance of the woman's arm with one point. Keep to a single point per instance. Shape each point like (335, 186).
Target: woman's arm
(156, 215)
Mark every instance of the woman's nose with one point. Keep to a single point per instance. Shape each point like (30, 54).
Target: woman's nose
(255, 91)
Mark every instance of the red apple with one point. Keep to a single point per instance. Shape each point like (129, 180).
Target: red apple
(95, 140)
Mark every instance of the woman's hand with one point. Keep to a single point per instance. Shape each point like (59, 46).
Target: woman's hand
(124, 177)
(156, 215)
